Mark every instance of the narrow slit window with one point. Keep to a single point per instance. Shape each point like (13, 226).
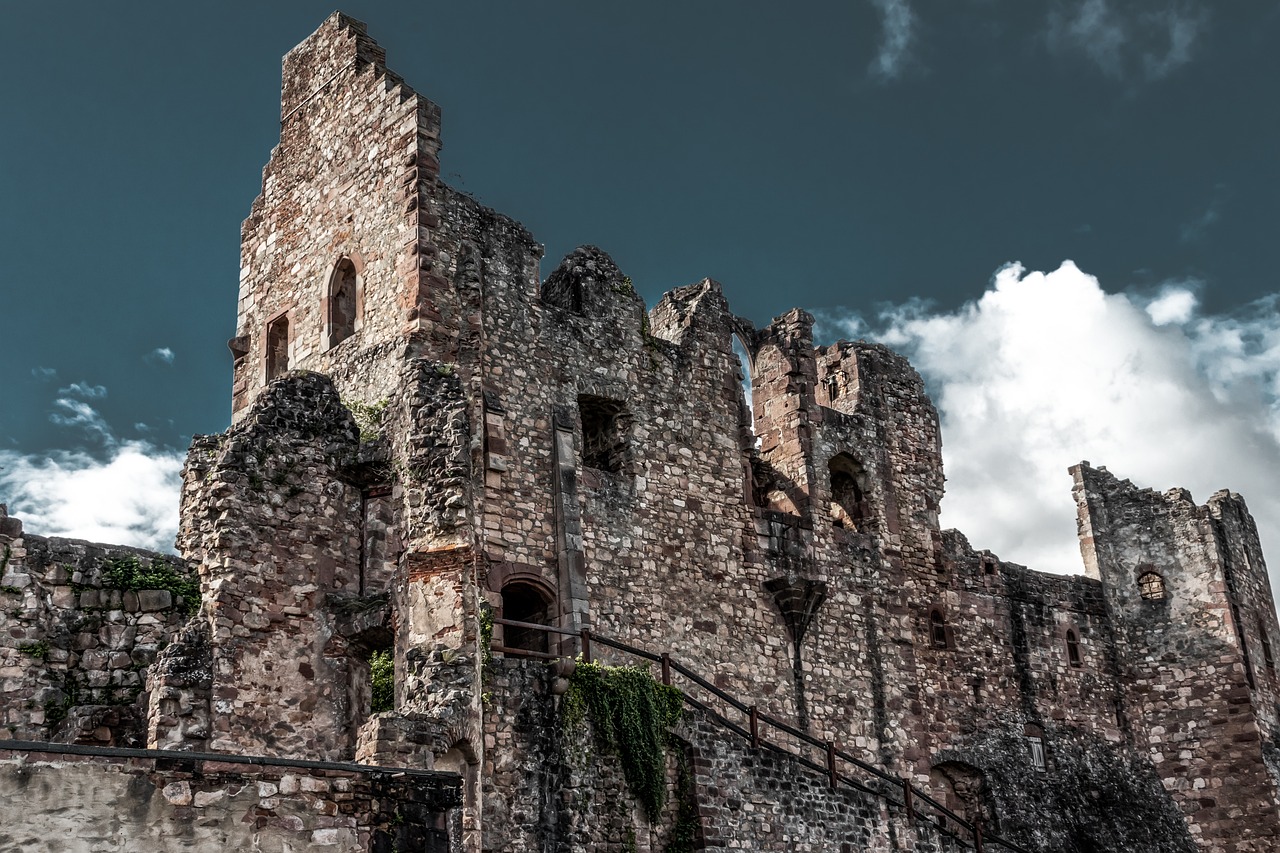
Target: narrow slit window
(277, 348)
(1268, 655)
(939, 630)
(1073, 650)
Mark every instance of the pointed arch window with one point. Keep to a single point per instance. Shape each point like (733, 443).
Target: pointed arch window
(277, 347)
(343, 302)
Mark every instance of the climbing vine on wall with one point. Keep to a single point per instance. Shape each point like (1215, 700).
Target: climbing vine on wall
(382, 672)
(633, 716)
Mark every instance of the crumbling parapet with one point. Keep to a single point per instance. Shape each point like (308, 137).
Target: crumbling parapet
(1173, 573)
(79, 625)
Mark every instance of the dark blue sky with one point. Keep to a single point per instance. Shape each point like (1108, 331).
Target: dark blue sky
(790, 151)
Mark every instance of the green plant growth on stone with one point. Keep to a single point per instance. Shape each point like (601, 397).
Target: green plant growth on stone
(38, 650)
(382, 672)
(633, 716)
(131, 573)
(486, 643)
(10, 590)
(368, 418)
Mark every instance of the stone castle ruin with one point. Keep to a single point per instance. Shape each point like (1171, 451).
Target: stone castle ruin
(504, 483)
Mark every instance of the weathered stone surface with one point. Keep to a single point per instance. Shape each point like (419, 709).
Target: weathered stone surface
(424, 430)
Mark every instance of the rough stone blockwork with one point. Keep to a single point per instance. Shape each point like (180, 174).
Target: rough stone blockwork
(428, 436)
(73, 803)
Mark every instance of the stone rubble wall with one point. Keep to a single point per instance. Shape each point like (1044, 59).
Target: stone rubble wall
(74, 651)
(273, 519)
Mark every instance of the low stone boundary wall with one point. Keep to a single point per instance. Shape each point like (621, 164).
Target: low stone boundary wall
(67, 799)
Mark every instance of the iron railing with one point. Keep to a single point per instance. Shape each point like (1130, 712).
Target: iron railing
(896, 791)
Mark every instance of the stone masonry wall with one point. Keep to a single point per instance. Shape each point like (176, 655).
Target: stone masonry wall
(1185, 678)
(352, 179)
(272, 518)
(146, 804)
(76, 640)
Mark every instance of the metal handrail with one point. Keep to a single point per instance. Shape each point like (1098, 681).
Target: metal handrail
(910, 794)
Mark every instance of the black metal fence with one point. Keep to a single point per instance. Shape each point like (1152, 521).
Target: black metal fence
(752, 725)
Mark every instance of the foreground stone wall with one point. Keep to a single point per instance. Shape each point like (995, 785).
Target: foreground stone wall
(158, 804)
(76, 637)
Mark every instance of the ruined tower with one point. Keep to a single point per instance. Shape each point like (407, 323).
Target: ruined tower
(428, 435)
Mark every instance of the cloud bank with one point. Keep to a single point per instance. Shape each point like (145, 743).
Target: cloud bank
(1129, 40)
(1048, 369)
(118, 492)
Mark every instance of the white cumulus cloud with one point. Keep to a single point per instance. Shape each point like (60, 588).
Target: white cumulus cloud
(1048, 369)
(128, 498)
(85, 390)
(160, 355)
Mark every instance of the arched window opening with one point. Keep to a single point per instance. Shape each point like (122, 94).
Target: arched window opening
(850, 508)
(748, 413)
(277, 347)
(342, 302)
(1151, 586)
(1073, 649)
(525, 602)
(940, 636)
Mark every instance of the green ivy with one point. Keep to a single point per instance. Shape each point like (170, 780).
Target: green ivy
(633, 716)
(38, 650)
(382, 671)
(131, 573)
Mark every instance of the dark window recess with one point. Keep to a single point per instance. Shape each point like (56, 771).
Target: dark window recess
(1268, 656)
(342, 303)
(1073, 649)
(524, 602)
(850, 508)
(940, 636)
(1036, 746)
(1151, 586)
(277, 347)
(606, 425)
